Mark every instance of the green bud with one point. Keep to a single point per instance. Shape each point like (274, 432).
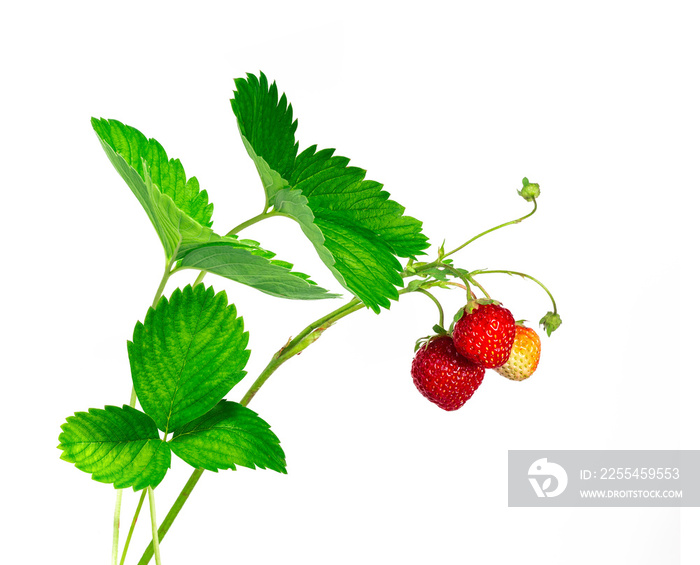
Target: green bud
(530, 190)
(550, 322)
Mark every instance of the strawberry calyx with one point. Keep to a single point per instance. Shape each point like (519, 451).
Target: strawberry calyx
(530, 190)
(550, 322)
(439, 332)
(472, 305)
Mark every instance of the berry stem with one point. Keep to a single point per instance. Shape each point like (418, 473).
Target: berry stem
(441, 323)
(524, 275)
(534, 209)
(481, 288)
(465, 279)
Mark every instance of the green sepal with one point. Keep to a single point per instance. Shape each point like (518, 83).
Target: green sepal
(187, 355)
(550, 322)
(229, 435)
(530, 190)
(116, 445)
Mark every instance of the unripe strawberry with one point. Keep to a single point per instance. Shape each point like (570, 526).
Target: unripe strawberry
(485, 335)
(524, 357)
(443, 376)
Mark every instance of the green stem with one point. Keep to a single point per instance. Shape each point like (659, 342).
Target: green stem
(115, 528)
(200, 278)
(524, 275)
(154, 525)
(437, 303)
(133, 525)
(464, 279)
(476, 284)
(132, 402)
(251, 221)
(172, 514)
(305, 338)
(493, 229)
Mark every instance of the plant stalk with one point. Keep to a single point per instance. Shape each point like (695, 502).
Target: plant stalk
(132, 402)
(441, 323)
(251, 221)
(154, 525)
(115, 527)
(172, 514)
(305, 338)
(133, 525)
(524, 275)
(534, 209)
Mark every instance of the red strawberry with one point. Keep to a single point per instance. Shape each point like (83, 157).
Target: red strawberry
(485, 336)
(443, 376)
(524, 357)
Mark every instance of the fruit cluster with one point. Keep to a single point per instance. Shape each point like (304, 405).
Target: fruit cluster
(447, 369)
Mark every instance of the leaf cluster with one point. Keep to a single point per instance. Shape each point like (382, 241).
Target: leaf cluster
(189, 352)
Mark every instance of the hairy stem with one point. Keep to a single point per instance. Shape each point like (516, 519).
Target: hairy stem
(493, 229)
(305, 338)
(524, 275)
(133, 525)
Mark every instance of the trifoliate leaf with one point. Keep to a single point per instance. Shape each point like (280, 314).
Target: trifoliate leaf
(226, 436)
(117, 445)
(356, 230)
(182, 217)
(187, 355)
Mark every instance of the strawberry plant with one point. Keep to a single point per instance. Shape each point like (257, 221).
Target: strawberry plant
(190, 349)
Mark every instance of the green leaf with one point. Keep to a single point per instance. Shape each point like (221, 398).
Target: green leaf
(356, 230)
(245, 262)
(181, 216)
(178, 210)
(229, 435)
(187, 355)
(117, 445)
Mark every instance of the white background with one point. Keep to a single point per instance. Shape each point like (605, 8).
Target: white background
(449, 105)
